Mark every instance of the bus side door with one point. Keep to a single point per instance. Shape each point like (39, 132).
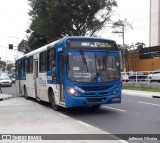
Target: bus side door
(60, 73)
(18, 76)
(36, 78)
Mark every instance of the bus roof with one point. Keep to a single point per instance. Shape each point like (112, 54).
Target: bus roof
(85, 37)
(50, 45)
(41, 49)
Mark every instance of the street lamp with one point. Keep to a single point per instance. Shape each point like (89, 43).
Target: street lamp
(123, 47)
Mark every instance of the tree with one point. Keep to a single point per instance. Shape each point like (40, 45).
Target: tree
(140, 45)
(54, 19)
(23, 46)
(2, 64)
(125, 23)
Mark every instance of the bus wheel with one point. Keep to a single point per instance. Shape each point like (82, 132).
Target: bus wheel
(53, 103)
(96, 106)
(25, 93)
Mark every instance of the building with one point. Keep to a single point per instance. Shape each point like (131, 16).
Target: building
(154, 35)
(147, 58)
(144, 59)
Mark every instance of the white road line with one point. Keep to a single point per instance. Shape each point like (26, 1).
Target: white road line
(83, 123)
(158, 118)
(117, 138)
(63, 115)
(114, 108)
(149, 103)
(123, 141)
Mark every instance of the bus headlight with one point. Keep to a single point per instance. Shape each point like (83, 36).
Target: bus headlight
(116, 90)
(72, 91)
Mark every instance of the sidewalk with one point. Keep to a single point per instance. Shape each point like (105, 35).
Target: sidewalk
(21, 117)
(4, 96)
(141, 93)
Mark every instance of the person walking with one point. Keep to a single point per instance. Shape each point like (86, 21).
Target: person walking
(0, 90)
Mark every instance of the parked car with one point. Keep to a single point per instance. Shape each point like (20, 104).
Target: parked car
(124, 76)
(13, 79)
(154, 76)
(137, 76)
(5, 81)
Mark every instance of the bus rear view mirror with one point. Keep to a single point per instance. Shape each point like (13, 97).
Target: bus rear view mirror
(121, 61)
(65, 58)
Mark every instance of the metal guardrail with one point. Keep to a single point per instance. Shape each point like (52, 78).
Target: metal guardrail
(139, 76)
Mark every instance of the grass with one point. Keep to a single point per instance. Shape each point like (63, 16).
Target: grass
(142, 88)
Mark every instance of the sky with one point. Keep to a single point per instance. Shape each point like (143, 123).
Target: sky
(14, 21)
(137, 13)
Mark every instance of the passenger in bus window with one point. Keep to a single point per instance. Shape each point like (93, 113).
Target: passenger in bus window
(51, 60)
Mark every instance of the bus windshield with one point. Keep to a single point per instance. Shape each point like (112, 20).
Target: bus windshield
(93, 66)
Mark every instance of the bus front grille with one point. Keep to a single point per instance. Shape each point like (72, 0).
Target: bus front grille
(96, 99)
(95, 88)
(96, 93)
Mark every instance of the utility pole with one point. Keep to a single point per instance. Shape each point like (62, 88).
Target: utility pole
(123, 47)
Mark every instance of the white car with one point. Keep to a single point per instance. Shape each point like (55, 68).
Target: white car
(5, 81)
(154, 76)
(124, 76)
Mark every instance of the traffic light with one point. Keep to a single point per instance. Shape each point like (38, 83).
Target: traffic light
(10, 46)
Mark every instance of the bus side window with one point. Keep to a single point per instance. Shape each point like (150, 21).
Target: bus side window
(43, 62)
(23, 66)
(26, 66)
(30, 66)
(51, 60)
(16, 68)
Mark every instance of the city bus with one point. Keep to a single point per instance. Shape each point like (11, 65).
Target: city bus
(75, 71)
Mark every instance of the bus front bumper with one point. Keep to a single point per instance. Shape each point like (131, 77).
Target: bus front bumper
(75, 101)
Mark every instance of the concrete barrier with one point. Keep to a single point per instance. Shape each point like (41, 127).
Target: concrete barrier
(142, 84)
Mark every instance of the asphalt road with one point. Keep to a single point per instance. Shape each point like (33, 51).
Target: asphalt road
(135, 115)
(11, 90)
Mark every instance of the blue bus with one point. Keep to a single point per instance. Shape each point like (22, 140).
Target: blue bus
(74, 71)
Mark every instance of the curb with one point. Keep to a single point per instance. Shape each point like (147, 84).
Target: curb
(141, 93)
(155, 96)
(5, 97)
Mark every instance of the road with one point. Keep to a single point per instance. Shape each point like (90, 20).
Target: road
(135, 115)
(10, 90)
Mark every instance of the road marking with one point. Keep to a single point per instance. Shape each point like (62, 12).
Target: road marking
(63, 115)
(114, 108)
(83, 123)
(149, 103)
(158, 118)
(124, 141)
(117, 138)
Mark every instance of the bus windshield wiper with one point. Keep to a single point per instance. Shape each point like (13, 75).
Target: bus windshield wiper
(84, 59)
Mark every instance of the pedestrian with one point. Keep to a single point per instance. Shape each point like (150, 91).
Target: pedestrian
(0, 90)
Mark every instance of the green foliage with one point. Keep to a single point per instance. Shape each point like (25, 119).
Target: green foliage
(140, 45)
(122, 23)
(54, 19)
(2, 64)
(142, 88)
(23, 46)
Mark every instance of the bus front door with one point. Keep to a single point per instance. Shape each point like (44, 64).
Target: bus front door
(36, 78)
(19, 76)
(60, 77)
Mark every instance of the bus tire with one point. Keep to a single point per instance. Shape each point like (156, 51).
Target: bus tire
(25, 93)
(96, 107)
(55, 107)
